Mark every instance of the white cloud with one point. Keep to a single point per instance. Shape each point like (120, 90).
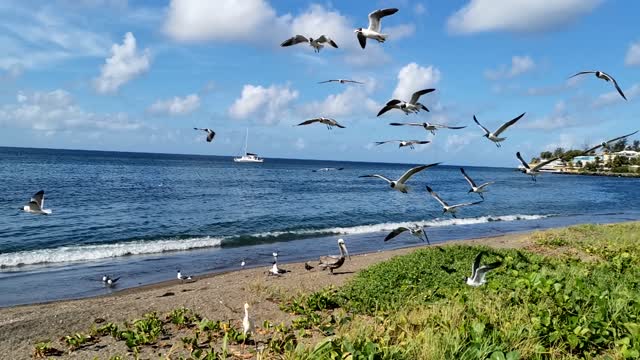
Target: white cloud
(517, 15)
(124, 64)
(633, 55)
(400, 31)
(269, 103)
(226, 20)
(56, 111)
(353, 100)
(176, 106)
(413, 77)
(559, 118)
(456, 142)
(565, 141)
(612, 97)
(299, 144)
(519, 66)
(419, 9)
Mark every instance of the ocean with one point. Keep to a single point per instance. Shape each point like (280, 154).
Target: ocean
(143, 216)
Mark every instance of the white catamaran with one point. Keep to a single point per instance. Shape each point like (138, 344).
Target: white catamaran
(248, 157)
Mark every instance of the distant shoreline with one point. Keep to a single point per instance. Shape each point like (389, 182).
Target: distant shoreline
(591, 173)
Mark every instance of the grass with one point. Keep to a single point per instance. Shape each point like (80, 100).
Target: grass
(574, 293)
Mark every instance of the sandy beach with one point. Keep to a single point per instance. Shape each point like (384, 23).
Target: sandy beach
(218, 296)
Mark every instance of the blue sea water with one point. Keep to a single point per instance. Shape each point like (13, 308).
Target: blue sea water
(142, 216)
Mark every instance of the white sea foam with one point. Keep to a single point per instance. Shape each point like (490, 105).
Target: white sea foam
(97, 252)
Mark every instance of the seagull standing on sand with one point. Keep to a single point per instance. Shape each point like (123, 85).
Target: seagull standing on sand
(604, 76)
(247, 324)
(403, 143)
(182, 277)
(416, 230)
(210, 133)
(605, 144)
(330, 123)
(446, 208)
(429, 126)
(373, 31)
(478, 272)
(333, 262)
(413, 106)
(533, 171)
(275, 270)
(475, 188)
(495, 136)
(36, 205)
(400, 183)
(341, 81)
(316, 44)
(243, 263)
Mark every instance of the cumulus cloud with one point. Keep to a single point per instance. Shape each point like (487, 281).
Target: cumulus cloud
(176, 106)
(124, 64)
(56, 111)
(558, 119)
(633, 55)
(419, 9)
(413, 77)
(519, 66)
(612, 97)
(517, 15)
(299, 144)
(353, 100)
(565, 141)
(457, 142)
(269, 103)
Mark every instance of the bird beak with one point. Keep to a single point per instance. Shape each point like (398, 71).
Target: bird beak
(346, 251)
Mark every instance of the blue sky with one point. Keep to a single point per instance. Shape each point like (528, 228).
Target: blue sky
(139, 75)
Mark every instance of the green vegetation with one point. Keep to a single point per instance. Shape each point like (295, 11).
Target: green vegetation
(573, 294)
(44, 349)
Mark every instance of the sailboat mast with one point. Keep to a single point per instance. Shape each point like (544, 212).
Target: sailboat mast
(246, 139)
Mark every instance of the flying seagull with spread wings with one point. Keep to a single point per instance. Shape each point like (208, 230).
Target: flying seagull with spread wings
(604, 76)
(36, 205)
(446, 208)
(478, 272)
(210, 133)
(475, 188)
(495, 136)
(400, 183)
(373, 31)
(415, 230)
(606, 144)
(535, 170)
(413, 106)
(341, 81)
(403, 143)
(330, 123)
(316, 44)
(429, 126)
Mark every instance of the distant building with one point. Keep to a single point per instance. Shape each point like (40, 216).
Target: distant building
(624, 153)
(584, 160)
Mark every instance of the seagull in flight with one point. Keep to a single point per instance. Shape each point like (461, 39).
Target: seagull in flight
(475, 188)
(403, 143)
(606, 144)
(210, 133)
(416, 230)
(495, 136)
(478, 273)
(373, 31)
(429, 126)
(533, 171)
(316, 44)
(400, 183)
(36, 205)
(413, 106)
(604, 76)
(341, 81)
(446, 208)
(330, 123)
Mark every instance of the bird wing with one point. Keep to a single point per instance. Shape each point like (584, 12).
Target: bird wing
(33, 206)
(615, 83)
(484, 269)
(456, 206)
(378, 176)
(393, 102)
(362, 40)
(353, 81)
(395, 233)
(524, 163)
(330, 260)
(469, 180)
(374, 18)
(294, 40)
(416, 95)
(507, 124)
(406, 124)
(419, 142)
(476, 263)
(483, 128)
(199, 129)
(608, 142)
(485, 184)
(437, 197)
(582, 73)
(38, 198)
(385, 109)
(113, 281)
(327, 81)
(307, 122)
(409, 173)
(449, 127)
(385, 142)
(211, 135)
(543, 163)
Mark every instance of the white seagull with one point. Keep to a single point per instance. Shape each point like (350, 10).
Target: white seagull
(429, 126)
(243, 263)
(373, 31)
(400, 183)
(403, 143)
(36, 205)
(316, 44)
(210, 133)
(179, 276)
(247, 324)
(112, 282)
(275, 270)
(533, 171)
(330, 123)
(413, 106)
(475, 188)
(604, 76)
(416, 230)
(446, 208)
(495, 136)
(105, 278)
(341, 81)
(605, 144)
(478, 273)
